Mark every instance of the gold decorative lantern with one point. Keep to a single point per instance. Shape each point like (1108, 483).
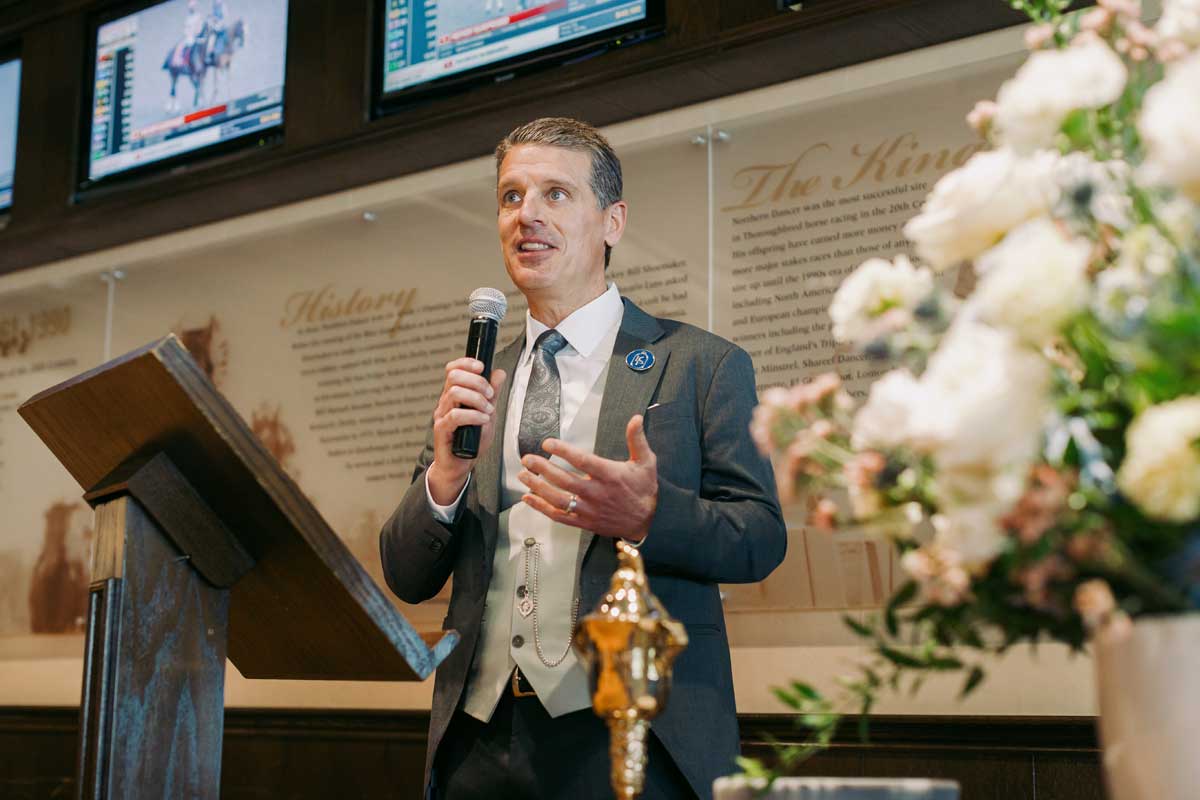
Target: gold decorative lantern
(628, 644)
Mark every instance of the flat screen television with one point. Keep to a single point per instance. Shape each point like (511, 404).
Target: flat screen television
(10, 97)
(174, 79)
(427, 47)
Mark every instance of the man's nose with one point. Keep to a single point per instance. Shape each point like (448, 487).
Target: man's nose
(531, 210)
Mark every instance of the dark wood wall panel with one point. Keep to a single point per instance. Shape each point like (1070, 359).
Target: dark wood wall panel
(330, 48)
(298, 755)
(711, 48)
(47, 133)
(287, 754)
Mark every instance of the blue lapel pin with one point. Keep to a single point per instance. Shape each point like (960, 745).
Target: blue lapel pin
(640, 360)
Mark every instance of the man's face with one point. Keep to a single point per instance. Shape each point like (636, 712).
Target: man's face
(552, 230)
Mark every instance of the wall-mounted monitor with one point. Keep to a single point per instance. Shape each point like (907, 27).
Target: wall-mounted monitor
(172, 79)
(10, 97)
(433, 46)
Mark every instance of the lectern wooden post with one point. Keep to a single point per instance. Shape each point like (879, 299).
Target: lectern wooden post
(204, 549)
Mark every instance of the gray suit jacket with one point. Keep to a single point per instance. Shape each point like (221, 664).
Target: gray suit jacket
(717, 521)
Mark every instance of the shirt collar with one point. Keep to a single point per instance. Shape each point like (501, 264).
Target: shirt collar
(586, 326)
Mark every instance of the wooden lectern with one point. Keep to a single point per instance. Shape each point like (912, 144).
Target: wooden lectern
(204, 549)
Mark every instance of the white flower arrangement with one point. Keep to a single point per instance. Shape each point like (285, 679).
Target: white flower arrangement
(1035, 451)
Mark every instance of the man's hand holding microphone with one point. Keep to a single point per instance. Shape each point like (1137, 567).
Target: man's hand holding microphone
(467, 399)
(464, 420)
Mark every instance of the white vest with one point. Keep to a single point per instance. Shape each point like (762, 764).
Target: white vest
(507, 638)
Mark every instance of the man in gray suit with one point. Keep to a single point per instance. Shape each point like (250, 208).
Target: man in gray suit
(615, 425)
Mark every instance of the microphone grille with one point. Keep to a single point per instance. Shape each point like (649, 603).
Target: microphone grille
(487, 302)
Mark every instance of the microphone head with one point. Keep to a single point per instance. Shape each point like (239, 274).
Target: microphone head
(486, 302)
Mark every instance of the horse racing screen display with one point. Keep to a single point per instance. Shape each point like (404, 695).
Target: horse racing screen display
(183, 75)
(10, 91)
(425, 40)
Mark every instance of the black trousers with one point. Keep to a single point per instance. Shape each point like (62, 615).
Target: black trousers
(523, 753)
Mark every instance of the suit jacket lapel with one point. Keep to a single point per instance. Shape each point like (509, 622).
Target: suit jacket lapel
(489, 469)
(627, 391)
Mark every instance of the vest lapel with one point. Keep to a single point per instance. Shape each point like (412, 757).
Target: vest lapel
(488, 470)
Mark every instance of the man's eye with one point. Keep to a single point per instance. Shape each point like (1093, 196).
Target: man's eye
(557, 194)
(511, 197)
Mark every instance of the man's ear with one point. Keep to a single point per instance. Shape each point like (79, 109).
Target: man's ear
(614, 222)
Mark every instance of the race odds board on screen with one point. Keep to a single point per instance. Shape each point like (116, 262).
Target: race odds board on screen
(10, 95)
(183, 76)
(437, 41)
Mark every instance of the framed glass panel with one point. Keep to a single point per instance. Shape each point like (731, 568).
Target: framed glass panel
(48, 334)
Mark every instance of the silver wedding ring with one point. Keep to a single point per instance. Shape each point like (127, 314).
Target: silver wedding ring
(574, 501)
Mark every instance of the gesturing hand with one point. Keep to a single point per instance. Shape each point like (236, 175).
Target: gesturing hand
(612, 498)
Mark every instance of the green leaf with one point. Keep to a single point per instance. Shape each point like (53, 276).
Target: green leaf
(858, 627)
(974, 678)
(786, 697)
(1078, 128)
(902, 597)
(944, 663)
(901, 658)
(806, 691)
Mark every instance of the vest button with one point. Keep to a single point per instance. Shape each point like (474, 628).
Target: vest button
(520, 591)
(530, 542)
(518, 641)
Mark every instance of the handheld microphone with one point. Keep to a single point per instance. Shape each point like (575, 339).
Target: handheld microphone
(487, 308)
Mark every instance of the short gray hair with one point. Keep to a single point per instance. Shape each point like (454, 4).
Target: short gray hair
(572, 134)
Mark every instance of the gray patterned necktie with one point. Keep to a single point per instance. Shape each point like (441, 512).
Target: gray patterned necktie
(539, 416)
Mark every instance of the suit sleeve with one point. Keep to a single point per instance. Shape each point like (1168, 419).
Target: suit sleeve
(417, 551)
(731, 530)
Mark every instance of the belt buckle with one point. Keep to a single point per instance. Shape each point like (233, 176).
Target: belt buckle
(516, 686)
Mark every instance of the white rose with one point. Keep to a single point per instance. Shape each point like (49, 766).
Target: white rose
(971, 208)
(1032, 106)
(875, 288)
(1161, 470)
(1033, 281)
(883, 421)
(1169, 130)
(984, 400)
(1180, 21)
(971, 533)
